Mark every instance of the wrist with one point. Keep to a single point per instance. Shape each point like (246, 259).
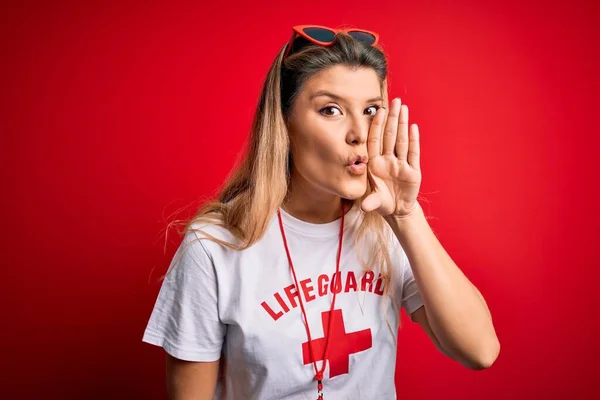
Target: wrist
(402, 221)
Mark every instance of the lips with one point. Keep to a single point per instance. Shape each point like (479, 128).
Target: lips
(357, 169)
(358, 159)
(357, 164)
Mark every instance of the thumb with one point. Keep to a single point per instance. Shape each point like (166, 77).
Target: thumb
(371, 202)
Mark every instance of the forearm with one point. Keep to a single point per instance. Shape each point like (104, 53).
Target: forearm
(456, 310)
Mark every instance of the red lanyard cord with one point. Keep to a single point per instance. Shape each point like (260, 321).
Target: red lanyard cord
(318, 372)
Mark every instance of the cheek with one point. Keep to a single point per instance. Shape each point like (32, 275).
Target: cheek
(316, 164)
(317, 153)
(327, 153)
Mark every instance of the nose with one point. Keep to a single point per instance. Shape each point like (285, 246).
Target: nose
(358, 131)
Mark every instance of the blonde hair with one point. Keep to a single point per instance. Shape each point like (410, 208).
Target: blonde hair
(258, 185)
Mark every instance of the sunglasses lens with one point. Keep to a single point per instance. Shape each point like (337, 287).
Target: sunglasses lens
(363, 37)
(320, 34)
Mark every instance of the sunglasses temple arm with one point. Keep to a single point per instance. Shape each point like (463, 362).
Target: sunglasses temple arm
(288, 46)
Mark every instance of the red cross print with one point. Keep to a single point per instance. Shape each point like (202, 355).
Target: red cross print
(341, 344)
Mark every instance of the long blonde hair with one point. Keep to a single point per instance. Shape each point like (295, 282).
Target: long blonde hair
(257, 186)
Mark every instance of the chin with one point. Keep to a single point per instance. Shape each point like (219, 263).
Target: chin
(354, 190)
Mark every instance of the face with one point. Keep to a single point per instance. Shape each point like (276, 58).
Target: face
(329, 125)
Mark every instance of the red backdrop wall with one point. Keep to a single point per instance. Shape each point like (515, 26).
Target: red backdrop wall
(117, 118)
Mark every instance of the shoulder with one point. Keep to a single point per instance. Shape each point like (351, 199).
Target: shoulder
(218, 239)
(211, 237)
(206, 230)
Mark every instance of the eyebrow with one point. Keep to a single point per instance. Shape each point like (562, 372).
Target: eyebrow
(337, 97)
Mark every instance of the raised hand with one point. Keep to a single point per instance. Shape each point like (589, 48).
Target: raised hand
(393, 168)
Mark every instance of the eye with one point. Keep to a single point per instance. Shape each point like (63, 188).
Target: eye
(376, 108)
(327, 108)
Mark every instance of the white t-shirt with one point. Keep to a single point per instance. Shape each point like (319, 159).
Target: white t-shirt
(242, 307)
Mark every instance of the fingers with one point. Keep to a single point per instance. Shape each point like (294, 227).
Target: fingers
(391, 135)
(402, 136)
(414, 152)
(391, 127)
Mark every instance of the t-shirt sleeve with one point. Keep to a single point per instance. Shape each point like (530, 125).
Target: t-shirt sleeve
(411, 297)
(185, 319)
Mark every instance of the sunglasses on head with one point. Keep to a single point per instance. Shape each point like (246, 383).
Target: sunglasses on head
(324, 36)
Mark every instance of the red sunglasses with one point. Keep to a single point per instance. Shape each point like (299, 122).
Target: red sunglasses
(324, 36)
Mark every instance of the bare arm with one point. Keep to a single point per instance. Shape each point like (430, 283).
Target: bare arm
(188, 380)
(454, 310)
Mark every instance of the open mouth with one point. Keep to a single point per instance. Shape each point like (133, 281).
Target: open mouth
(357, 168)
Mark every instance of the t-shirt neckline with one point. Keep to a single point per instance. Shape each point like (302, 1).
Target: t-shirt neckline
(318, 230)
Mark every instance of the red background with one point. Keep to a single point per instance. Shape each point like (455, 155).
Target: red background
(117, 118)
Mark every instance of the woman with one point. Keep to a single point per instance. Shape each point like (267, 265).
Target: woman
(289, 285)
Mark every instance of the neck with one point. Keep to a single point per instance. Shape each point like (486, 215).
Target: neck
(311, 205)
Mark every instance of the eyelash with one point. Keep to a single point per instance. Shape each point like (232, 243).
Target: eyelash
(324, 108)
